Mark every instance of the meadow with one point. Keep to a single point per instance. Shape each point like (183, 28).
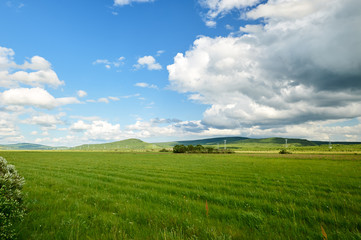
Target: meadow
(112, 195)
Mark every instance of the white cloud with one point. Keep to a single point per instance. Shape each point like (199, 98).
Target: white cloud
(81, 93)
(160, 128)
(160, 52)
(127, 2)
(251, 28)
(38, 74)
(101, 61)
(295, 69)
(229, 27)
(79, 126)
(149, 62)
(211, 23)
(218, 8)
(146, 85)
(131, 96)
(37, 97)
(37, 63)
(289, 9)
(86, 118)
(46, 120)
(38, 78)
(9, 132)
(103, 100)
(113, 98)
(6, 58)
(98, 130)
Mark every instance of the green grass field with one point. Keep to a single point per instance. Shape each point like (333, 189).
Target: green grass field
(90, 195)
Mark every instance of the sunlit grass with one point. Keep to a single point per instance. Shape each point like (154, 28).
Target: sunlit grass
(75, 195)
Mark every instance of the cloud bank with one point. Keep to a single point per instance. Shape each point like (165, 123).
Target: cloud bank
(302, 65)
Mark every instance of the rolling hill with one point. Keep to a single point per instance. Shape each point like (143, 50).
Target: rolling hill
(124, 145)
(28, 146)
(207, 141)
(235, 143)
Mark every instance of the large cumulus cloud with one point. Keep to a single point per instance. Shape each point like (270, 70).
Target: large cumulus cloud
(303, 64)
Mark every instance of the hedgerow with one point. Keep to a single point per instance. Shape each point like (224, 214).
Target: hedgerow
(11, 199)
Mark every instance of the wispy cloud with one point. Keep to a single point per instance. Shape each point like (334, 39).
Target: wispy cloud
(104, 99)
(81, 93)
(160, 52)
(127, 2)
(109, 64)
(218, 8)
(146, 85)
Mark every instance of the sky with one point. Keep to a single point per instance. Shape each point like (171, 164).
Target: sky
(79, 72)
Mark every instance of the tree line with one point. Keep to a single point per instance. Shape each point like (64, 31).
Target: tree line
(198, 149)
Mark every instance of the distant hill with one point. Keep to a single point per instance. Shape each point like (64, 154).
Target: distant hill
(207, 141)
(238, 141)
(124, 145)
(235, 143)
(28, 146)
(342, 143)
(269, 143)
(281, 141)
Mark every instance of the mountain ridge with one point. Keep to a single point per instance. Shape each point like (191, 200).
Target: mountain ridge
(137, 144)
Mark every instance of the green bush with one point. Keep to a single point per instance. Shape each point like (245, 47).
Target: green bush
(284, 151)
(11, 199)
(164, 150)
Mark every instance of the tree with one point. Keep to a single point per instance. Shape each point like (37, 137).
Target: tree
(190, 148)
(209, 149)
(179, 149)
(199, 148)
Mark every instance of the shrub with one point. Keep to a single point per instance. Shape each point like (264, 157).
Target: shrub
(11, 199)
(209, 149)
(164, 150)
(284, 151)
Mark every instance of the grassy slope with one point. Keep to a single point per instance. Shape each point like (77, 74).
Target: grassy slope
(90, 195)
(125, 145)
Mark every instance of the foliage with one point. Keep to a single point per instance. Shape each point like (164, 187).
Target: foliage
(198, 149)
(164, 150)
(284, 151)
(180, 149)
(11, 199)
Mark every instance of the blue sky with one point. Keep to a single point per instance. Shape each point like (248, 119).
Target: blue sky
(75, 72)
